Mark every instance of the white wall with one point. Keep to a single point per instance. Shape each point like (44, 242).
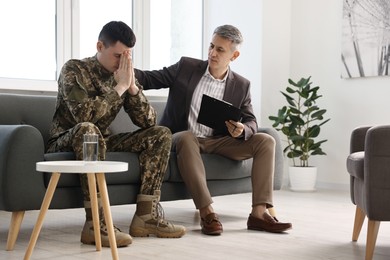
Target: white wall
(276, 54)
(313, 36)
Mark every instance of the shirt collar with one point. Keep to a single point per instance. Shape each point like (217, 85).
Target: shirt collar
(100, 69)
(208, 74)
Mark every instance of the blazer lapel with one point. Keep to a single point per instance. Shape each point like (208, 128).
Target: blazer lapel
(230, 87)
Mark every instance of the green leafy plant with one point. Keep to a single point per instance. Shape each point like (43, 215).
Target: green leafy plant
(300, 121)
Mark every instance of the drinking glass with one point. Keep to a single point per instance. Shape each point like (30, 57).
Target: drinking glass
(90, 147)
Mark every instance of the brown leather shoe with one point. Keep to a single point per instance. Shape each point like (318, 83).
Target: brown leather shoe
(269, 224)
(211, 225)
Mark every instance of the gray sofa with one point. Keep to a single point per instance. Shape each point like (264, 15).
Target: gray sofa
(24, 129)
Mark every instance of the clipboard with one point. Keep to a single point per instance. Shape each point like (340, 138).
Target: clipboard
(214, 112)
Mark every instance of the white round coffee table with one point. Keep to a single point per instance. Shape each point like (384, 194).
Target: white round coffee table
(92, 169)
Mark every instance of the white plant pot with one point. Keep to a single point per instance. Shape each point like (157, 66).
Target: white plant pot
(302, 178)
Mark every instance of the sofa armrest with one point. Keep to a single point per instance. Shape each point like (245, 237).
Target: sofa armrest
(21, 187)
(279, 160)
(358, 137)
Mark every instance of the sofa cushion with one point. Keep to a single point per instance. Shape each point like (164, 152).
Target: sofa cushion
(35, 110)
(217, 168)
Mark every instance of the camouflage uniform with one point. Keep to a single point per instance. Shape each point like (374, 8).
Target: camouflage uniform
(87, 102)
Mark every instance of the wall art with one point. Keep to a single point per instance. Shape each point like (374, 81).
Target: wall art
(365, 38)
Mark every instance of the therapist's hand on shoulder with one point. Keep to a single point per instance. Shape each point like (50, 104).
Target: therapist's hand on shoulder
(235, 128)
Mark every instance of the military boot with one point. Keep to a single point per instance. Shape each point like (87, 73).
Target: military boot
(88, 235)
(149, 219)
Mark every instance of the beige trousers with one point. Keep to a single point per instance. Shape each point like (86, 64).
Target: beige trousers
(260, 147)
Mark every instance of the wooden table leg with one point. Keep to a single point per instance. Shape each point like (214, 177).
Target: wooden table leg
(14, 228)
(107, 214)
(44, 207)
(94, 209)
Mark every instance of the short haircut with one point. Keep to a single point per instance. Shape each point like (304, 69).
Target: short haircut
(231, 33)
(115, 31)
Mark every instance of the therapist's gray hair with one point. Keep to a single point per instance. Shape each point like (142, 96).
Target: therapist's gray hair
(231, 33)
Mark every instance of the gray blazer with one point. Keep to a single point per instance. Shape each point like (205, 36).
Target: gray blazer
(182, 79)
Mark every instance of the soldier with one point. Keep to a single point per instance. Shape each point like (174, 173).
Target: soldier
(91, 92)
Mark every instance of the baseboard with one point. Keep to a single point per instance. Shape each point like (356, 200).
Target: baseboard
(324, 186)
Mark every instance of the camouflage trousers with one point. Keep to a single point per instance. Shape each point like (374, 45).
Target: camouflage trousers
(152, 144)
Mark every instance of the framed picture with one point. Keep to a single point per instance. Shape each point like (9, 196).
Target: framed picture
(365, 38)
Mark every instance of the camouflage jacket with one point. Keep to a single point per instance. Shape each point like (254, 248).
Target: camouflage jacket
(86, 94)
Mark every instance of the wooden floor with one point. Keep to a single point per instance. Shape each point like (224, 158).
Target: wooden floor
(322, 229)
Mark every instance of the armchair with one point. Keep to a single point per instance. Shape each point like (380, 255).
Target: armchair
(369, 167)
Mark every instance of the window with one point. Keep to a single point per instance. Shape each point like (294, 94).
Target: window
(175, 31)
(176, 28)
(28, 42)
(94, 14)
(39, 36)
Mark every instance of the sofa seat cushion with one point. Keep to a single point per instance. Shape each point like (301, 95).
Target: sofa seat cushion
(355, 165)
(132, 176)
(217, 168)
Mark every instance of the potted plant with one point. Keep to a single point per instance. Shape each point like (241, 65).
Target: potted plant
(300, 121)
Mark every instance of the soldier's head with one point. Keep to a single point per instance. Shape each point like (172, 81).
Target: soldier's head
(116, 31)
(114, 39)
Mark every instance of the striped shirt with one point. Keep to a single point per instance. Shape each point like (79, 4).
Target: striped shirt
(212, 87)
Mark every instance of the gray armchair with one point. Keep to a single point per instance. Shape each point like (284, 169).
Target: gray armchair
(369, 167)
